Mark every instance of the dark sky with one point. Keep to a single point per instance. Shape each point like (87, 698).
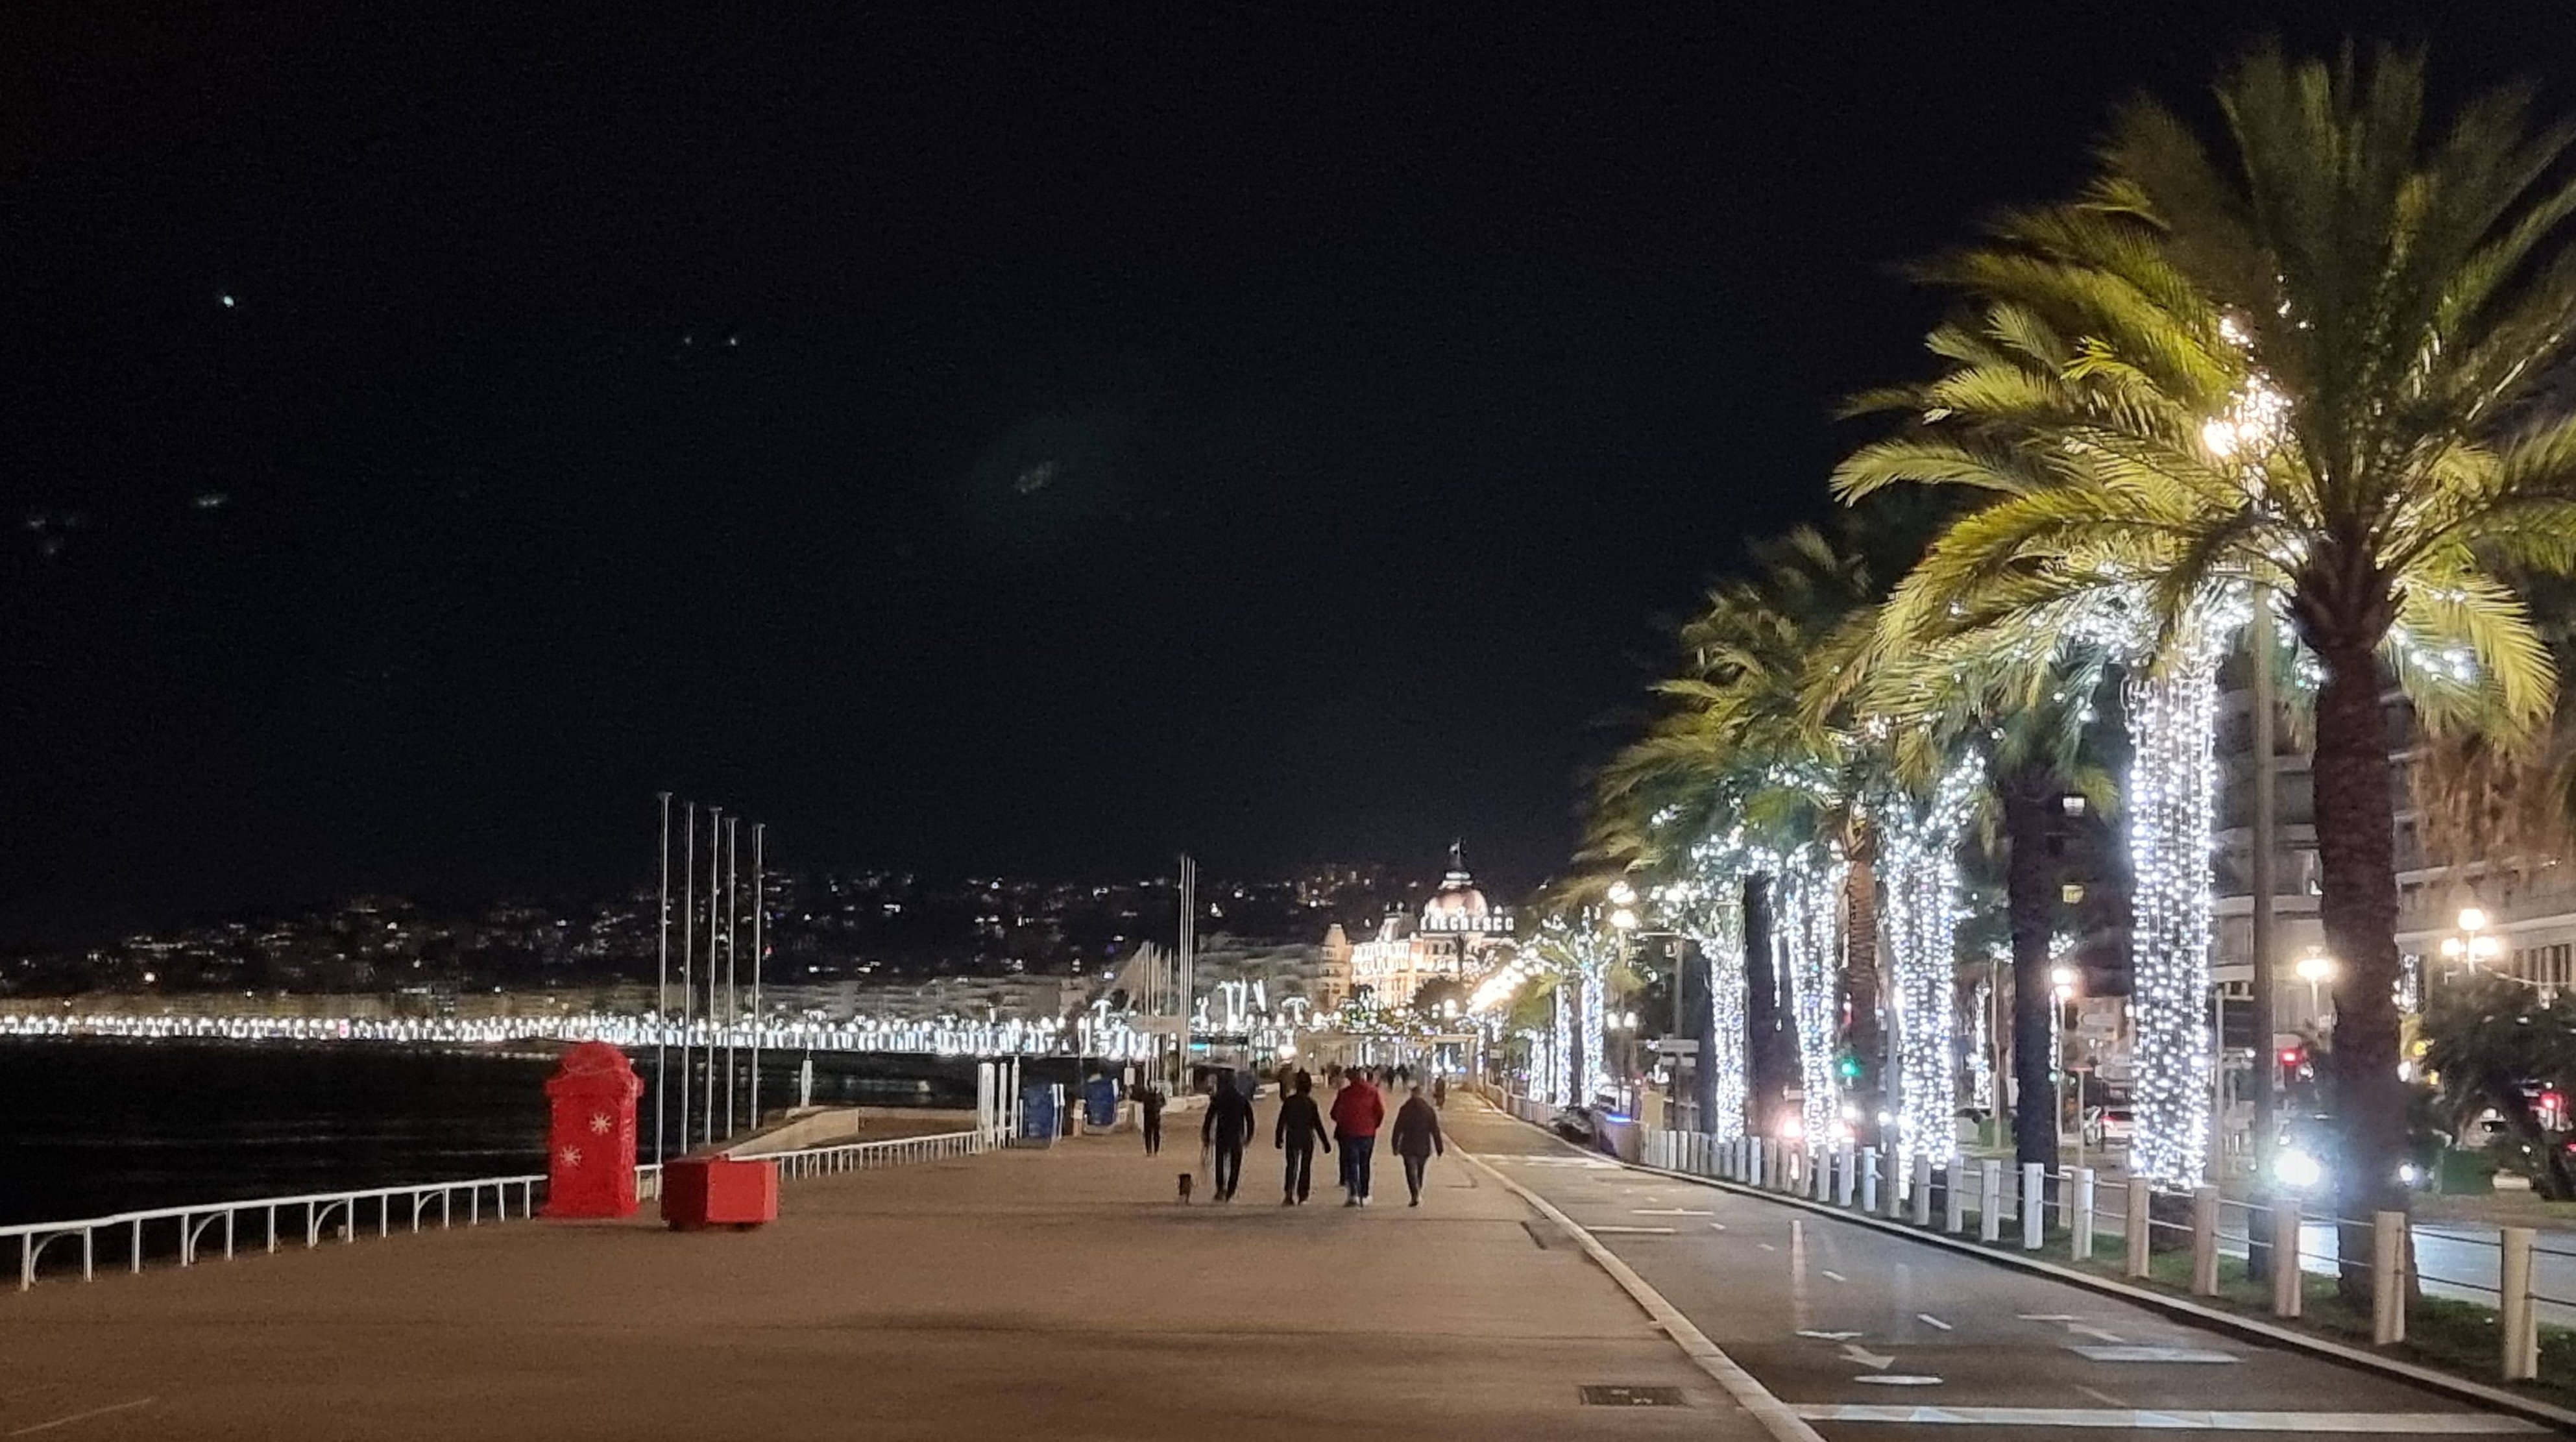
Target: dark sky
(1041, 438)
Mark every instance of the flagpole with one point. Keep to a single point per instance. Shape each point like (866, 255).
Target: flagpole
(759, 908)
(733, 998)
(688, 965)
(662, 985)
(715, 910)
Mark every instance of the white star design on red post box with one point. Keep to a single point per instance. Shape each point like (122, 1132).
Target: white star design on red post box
(572, 1156)
(599, 1124)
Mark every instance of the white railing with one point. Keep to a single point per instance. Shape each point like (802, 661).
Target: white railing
(187, 1233)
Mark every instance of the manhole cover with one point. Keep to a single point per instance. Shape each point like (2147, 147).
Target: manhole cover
(1615, 1396)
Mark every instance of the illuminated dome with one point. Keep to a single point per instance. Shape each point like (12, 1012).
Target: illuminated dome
(1457, 896)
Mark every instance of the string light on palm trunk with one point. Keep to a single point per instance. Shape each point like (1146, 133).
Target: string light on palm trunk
(1707, 905)
(1810, 890)
(1923, 914)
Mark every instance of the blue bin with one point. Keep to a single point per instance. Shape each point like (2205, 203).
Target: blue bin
(1037, 1113)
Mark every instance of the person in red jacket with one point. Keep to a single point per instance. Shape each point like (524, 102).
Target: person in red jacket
(1358, 1110)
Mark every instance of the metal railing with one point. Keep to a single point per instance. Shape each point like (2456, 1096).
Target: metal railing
(2069, 1208)
(187, 1234)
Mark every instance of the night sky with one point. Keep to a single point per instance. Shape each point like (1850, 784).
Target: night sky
(1035, 439)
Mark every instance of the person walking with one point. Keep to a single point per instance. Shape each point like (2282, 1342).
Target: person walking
(1440, 1091)
(1299, 1131)
(1151, 1104)
(1228, 1126)
(1357, 1113)
(1416, 1138)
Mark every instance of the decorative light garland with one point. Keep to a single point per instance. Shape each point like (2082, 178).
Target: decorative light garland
(1580, 949)
(1810, 881)
(2173, 824)
(1707, 906)
(1921, 871)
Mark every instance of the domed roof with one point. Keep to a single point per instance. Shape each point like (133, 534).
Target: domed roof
(1457, 895)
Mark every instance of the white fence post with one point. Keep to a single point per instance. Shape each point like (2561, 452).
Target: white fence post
(2288, 1291)
(2139, 1225)
(2034, 1205)
(1990, 1200)
(1846, 1174)
(1869, 1181)
(2080, 1246)
(1954, 1193)
(1753, 1159)
(1820, 1175)
(1923, 1189)
(2204, 1241)
(2387, 1278)
(2520, 1318)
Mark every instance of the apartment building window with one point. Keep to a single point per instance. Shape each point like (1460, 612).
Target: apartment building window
(2548, 966)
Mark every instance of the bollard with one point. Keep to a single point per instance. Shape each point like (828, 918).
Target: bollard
(1869, 1180)
(2204, 1241)
(2079, 1245)
(1923, 1190)
(2287, 1293)
(2034, 1205)
(1820, 1175)
(1846, 1175)
(2387, 1278)
(1954, 1208)
(1753, 1163)
(2065, 1199)
(2137, 1224)
(2521, 1320)
(1990, 1200)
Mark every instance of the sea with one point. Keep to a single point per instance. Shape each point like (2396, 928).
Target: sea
(90, 1126)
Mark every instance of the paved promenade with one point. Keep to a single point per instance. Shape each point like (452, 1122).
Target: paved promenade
(1058, 1294)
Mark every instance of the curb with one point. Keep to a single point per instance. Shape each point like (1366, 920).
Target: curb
(2214, 1318)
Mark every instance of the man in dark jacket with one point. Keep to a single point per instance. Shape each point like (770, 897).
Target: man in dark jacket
(1300, 1130)
(1416, 1137)
(1228, 1126)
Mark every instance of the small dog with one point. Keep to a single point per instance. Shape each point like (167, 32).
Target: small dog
(1185, 1189)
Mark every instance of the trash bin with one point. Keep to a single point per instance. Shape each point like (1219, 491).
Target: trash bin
(1100, 1103)
(1038, 1120)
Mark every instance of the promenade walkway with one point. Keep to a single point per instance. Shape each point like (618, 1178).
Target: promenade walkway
(1060, 1294)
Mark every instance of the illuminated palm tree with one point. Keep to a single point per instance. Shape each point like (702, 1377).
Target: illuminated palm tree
(2302, 363)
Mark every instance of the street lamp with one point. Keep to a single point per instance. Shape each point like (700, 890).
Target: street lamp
(2316, 968)
(2473, 944)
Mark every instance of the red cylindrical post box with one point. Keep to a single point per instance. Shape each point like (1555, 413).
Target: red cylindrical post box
(590, 1171)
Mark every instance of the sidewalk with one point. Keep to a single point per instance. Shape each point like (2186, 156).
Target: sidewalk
(1058, 1293)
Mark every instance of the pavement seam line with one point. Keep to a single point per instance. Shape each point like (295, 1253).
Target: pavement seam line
(2463, 1388)
(1776, 1416)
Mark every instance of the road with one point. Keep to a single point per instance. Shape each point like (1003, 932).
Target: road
(1876, 1338)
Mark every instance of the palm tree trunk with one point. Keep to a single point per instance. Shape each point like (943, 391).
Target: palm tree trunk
(1863, 1032)
(1765, 1062)
(2030, 891)
(1699, 1012)
(2356, 818)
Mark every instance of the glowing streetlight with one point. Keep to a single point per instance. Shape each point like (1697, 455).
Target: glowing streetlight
(1624, 919)
(1622, 894)
(2473, 944)
(2316, 968)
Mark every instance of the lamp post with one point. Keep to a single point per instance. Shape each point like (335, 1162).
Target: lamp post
(2473, 944)
(1623, 919)
(2061, 982)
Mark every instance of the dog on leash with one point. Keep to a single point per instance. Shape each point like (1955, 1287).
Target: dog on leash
(1185, 1188)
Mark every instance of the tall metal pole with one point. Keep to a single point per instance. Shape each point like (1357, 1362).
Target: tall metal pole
(1189, 964)
(688, 965)
(759, 908)
(733, 998)
(662, 986)
(715, 912)
(2267, 825)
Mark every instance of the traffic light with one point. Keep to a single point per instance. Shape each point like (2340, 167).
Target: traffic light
(2294, 1063)
(1848, 1067)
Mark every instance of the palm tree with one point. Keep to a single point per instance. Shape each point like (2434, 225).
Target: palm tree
(2486, 1038)
(2304, 362)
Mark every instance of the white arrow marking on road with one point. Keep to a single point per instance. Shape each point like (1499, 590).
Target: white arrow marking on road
(1827, 1336)
(2152, 1354)
(1929, 1320)
(1855, 1352)
(1899, 1379)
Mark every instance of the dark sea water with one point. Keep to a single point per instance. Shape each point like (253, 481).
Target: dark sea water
(92, 1127)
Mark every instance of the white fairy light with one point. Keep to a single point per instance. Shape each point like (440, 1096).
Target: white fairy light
(1707, 905)
(1809, 885)
(1921, 871)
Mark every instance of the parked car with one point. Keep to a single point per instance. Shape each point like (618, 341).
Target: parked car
(1578, 1125)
